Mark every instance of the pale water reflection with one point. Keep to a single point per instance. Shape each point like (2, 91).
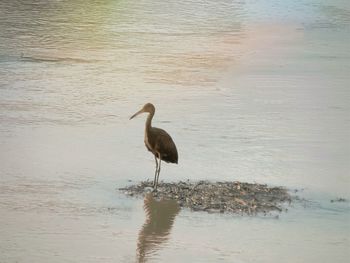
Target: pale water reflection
(160, 216)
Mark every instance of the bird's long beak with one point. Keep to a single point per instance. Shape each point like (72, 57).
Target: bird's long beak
(137, 113)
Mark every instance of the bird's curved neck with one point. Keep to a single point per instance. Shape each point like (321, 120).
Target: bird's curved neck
(149, 121)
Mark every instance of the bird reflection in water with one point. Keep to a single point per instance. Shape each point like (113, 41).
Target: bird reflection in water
(160, 216)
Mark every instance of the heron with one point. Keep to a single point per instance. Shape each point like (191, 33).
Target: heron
(158, 142)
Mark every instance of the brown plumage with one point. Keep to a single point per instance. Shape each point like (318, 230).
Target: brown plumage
(158, 142)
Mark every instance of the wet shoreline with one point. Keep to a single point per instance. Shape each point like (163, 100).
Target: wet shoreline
(218, 197)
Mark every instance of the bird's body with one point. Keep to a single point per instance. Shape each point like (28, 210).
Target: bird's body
(158, 142)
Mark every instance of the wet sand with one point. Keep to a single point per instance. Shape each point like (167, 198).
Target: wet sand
(217, 197)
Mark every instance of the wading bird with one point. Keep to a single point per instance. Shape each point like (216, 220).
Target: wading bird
(158, 142)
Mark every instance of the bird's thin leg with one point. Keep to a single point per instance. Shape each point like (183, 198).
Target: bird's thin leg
(155, 173)
(160, 160)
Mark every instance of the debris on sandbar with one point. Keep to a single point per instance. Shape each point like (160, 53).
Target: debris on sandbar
(218, 197)
(340, 200)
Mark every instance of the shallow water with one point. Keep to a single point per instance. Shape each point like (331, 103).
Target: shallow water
(255, 91)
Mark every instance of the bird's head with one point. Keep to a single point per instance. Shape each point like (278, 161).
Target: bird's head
(148, 107)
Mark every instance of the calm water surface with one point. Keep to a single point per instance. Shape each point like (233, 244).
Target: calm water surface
(256, 91)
